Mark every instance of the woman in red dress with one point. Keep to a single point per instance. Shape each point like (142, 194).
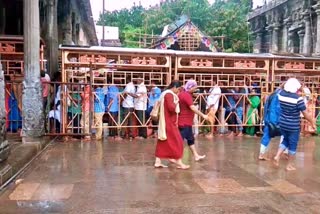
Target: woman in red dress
(170, 142)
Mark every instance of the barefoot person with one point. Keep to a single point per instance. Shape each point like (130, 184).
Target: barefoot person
(170, 143)
(187, 111)
(271, 122)
(252, 114)
(291, 105)
(213, 105)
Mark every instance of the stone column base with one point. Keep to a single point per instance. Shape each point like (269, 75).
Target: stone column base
(32, 140)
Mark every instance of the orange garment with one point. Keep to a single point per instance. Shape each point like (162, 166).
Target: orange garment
(85, 95)
(306, 126)
(45, 86)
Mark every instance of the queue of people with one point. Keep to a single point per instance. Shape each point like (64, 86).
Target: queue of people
(232, 109)
(283, 111)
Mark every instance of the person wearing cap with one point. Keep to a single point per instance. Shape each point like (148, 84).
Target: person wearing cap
(291, 105)
(185, 119)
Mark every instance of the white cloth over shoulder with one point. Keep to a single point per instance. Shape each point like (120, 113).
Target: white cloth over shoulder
(162, 135)
(214, 97)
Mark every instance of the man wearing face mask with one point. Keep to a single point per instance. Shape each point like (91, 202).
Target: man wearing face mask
(185, 119)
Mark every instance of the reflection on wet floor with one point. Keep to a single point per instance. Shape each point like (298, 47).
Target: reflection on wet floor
(113, 177)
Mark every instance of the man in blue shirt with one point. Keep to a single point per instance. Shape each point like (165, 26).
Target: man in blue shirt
(291, 105)
(113, 109)
(154, 96)
(99, 110)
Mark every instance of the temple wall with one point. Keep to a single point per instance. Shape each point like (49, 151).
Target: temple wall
(287, 26)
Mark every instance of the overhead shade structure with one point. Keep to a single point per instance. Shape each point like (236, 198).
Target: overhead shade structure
(185, 35)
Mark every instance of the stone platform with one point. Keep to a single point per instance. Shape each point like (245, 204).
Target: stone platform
(119, 177)
(20, 155)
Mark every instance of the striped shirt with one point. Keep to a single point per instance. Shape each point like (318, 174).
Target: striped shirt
(291, 105)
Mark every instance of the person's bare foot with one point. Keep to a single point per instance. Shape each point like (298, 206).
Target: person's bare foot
(173, 161)
(117, 138)
(290, 168)
(240, 134)
(231, 134)
(276, 161)
(199, 157)
(160, 165)
(286, 156)
(86, 138)
(183, 166)
(210, 136)
(263, 158)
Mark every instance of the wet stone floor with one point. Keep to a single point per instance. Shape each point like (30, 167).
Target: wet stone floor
(119, 177)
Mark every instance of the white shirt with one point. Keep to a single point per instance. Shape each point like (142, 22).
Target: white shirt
(140, 103)
(47, 77)
(128, 102)
(56, 114)
(214, 97)
(307, 94)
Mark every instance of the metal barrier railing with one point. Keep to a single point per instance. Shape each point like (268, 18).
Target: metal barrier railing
(70, 110)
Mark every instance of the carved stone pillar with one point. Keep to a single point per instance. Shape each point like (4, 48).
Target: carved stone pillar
(52, 44)
(4, 145)
(307, 42)
(275, 38)
(270, 35)
(67, 25)
(32, 107)
(317, 10)
(257, 48)
(285, 37)
(301, 34)
(290, 47)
